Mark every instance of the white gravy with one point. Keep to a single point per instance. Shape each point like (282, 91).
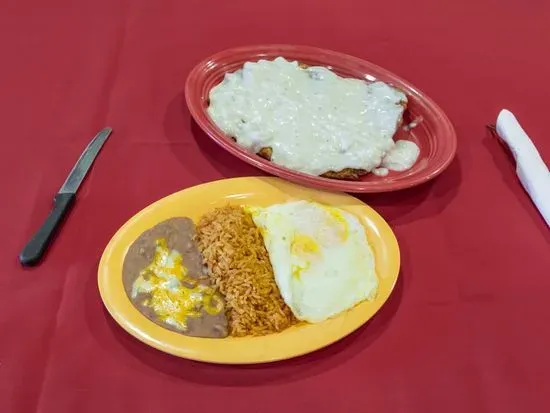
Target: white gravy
(381, 171)
(402, 156)
(314, 120)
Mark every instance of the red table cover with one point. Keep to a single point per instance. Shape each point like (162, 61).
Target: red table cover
(468, 327)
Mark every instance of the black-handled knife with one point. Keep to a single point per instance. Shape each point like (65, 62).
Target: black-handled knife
(62, 202)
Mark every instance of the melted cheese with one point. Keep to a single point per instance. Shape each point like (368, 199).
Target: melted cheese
(314, 120)
(173, 296)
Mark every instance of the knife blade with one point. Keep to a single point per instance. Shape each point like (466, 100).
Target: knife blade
(63, 201)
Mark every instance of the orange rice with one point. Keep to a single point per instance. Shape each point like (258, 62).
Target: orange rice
(234, 251)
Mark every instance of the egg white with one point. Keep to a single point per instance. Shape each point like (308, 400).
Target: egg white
(321, 258)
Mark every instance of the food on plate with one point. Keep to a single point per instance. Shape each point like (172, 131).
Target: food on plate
(250, 270)
(309, 119)
(321, 258)
(233, 250)
(402, 156)
(165, 278)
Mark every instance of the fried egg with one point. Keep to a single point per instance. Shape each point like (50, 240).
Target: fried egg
(321, 258)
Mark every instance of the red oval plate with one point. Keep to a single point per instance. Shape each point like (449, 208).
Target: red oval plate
(435, 135)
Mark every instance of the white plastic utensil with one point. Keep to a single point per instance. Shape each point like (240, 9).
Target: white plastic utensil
(530, 168)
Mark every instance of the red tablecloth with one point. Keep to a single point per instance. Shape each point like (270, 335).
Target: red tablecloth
(468, 328)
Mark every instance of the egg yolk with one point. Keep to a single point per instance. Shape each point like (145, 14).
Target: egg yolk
(341, 222)
(298, 269)
(303, 245)
(173, 295)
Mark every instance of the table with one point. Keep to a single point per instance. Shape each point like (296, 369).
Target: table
(468, 328)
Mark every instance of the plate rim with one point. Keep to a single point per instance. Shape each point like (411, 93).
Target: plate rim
(104, 276)
(200, 116)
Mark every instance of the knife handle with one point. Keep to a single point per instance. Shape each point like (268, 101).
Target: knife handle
(38, 244)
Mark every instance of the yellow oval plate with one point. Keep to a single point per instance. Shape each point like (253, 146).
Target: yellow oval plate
(194, 202)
